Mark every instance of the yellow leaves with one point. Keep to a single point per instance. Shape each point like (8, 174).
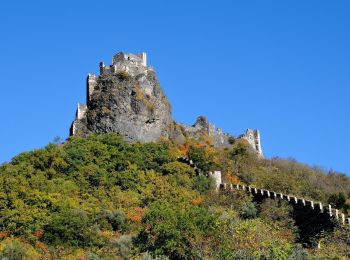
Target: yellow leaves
(139, 95)
(105, 111)
(59, 164)
(14, 244)
(108, 235)
(124, 199)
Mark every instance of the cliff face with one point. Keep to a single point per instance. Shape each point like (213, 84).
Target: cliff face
(133, 105)
(127, 98)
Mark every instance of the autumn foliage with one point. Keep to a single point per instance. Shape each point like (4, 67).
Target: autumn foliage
(103, 198)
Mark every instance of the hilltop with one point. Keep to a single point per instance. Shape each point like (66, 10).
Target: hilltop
(131, 183)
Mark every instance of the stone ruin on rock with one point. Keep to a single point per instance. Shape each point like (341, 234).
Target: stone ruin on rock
(253, 138)
(126, 98)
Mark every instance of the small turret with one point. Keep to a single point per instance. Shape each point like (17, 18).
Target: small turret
(102, 67)
(143, 57)
(90, 86)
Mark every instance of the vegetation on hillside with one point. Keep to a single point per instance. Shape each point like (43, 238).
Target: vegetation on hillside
(103, 198)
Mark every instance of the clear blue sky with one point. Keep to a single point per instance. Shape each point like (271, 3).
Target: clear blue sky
(279, 66)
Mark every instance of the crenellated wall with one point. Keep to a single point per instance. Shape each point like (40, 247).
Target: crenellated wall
(308, 204)
(291, 199)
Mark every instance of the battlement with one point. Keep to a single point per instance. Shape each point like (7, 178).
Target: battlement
(140, 58)
(131, 63)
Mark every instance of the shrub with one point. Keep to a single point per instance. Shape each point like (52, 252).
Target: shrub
(248, 210)
(70, 227)
(14, 251)
(117, 219)
(298, 253)
(122, 75)
(124, 245)
(92, 256)
(231, 140)
(203, 184)
(11, 249)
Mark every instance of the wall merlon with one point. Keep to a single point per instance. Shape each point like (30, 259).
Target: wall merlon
(321, 207)
(296, 200)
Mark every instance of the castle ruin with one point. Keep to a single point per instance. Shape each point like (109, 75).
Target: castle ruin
(126, 98)
(253, 138)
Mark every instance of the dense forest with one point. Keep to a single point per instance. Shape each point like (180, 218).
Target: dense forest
(103, 198)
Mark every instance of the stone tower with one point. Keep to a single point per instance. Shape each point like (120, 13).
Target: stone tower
(253, 138)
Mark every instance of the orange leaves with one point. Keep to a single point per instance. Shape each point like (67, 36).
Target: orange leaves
(183, 149)
(135, 215)
(197, 201)
(38, 233)
(233, 179)
(4, 235)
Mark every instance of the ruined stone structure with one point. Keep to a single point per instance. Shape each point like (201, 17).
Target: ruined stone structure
(253, 138)
(126, 98)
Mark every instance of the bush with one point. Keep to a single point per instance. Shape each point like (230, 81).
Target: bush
(14, 251)
(92, 256)
(124, 245)
(70, 227)
(203, 184)
(298, 253)
(176, 230)
(231, 140)
(11, 249)
(117, 219)
(122, 75)
(202, 159)
(248, 210)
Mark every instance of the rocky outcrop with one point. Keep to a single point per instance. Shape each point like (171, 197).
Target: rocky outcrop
(128, 101)
(134, 106)
(126, 98)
